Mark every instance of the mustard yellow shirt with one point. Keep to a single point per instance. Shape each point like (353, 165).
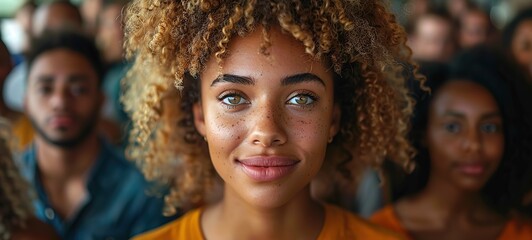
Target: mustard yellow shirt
(339, 224)
(23, 132)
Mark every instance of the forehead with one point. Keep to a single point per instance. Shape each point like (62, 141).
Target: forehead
(61, 62)
(286, 55)
(432, 23)
(463, 96)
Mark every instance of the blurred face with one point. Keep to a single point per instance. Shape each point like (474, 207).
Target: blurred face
(456, 7)
(464, 136)
(5, 65)
(433, 40)
(475, 29)
(267, 120)
(110, 36)
(63, 98)
(522, 44)
(89, 10)
(54, 17)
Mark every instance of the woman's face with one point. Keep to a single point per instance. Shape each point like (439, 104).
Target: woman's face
(522, 44)
(267, 119)
(465, 138)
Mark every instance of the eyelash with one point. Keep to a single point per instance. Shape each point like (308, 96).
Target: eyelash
(228, 94)
(308, 94)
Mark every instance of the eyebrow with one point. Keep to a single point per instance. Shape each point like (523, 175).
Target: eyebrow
(289, 80)
(461, 115)
(75, 78)
(233, 79)
(303, 77)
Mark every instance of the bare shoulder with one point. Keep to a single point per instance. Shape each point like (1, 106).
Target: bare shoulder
(35, 229)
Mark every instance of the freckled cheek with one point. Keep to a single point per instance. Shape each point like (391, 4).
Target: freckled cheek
(225, 128)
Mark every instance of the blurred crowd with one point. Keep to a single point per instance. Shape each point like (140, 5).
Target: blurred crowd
(60, 100)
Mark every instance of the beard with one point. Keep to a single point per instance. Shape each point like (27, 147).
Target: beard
(86, 129)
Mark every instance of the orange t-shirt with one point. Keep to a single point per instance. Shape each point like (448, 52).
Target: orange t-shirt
(515, 229)
(339, 224)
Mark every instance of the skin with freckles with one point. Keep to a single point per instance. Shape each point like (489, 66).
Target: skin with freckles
(278, 107)
(272, 96)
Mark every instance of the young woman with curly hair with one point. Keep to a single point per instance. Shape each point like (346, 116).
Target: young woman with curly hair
(16, 213)
(269, 94)
(474, 141)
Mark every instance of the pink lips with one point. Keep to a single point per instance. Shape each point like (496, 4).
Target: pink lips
(263, 169)
(61, 121)
(472, 169)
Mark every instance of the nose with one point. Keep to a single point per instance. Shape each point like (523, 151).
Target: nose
(472, 141)
(60, 99)
(268, 126)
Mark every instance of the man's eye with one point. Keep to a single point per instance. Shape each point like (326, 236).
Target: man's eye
(301, 99)
(233, 99)
(78, 90)
(44, 90)
(452, 127)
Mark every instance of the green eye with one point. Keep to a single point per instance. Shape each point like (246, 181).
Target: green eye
(233, 99)
(301, 100)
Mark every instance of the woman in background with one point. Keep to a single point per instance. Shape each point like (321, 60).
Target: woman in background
(517, 38)
(473, 142)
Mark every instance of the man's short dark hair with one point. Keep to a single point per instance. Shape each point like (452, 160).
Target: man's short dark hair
(69, 40)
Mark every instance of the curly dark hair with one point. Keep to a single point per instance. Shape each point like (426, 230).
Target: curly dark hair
(172, 40)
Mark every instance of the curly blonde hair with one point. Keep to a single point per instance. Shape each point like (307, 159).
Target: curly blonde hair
(15, 204)
(172, 40)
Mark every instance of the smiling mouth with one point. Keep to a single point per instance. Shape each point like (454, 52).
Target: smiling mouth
(265, 169)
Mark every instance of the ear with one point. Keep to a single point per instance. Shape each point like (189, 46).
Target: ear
(199, 119)
(335, 121)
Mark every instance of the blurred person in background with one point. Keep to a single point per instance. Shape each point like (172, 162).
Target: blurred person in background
(517, 38)
(54, 15)
(90, 9)
(21, 127)
(16, 213)
(415, 8)
(432, 37)
(6, 65)
(456, 8)
(110, 40)
(85, 188)
(473, 143)
(475, 28)
(24, 17)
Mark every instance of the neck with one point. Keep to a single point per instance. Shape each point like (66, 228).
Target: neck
(448, 203)
(300, 216)
(61, 164)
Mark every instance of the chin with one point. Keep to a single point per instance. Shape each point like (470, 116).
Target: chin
(272, 197)
(471, 186)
